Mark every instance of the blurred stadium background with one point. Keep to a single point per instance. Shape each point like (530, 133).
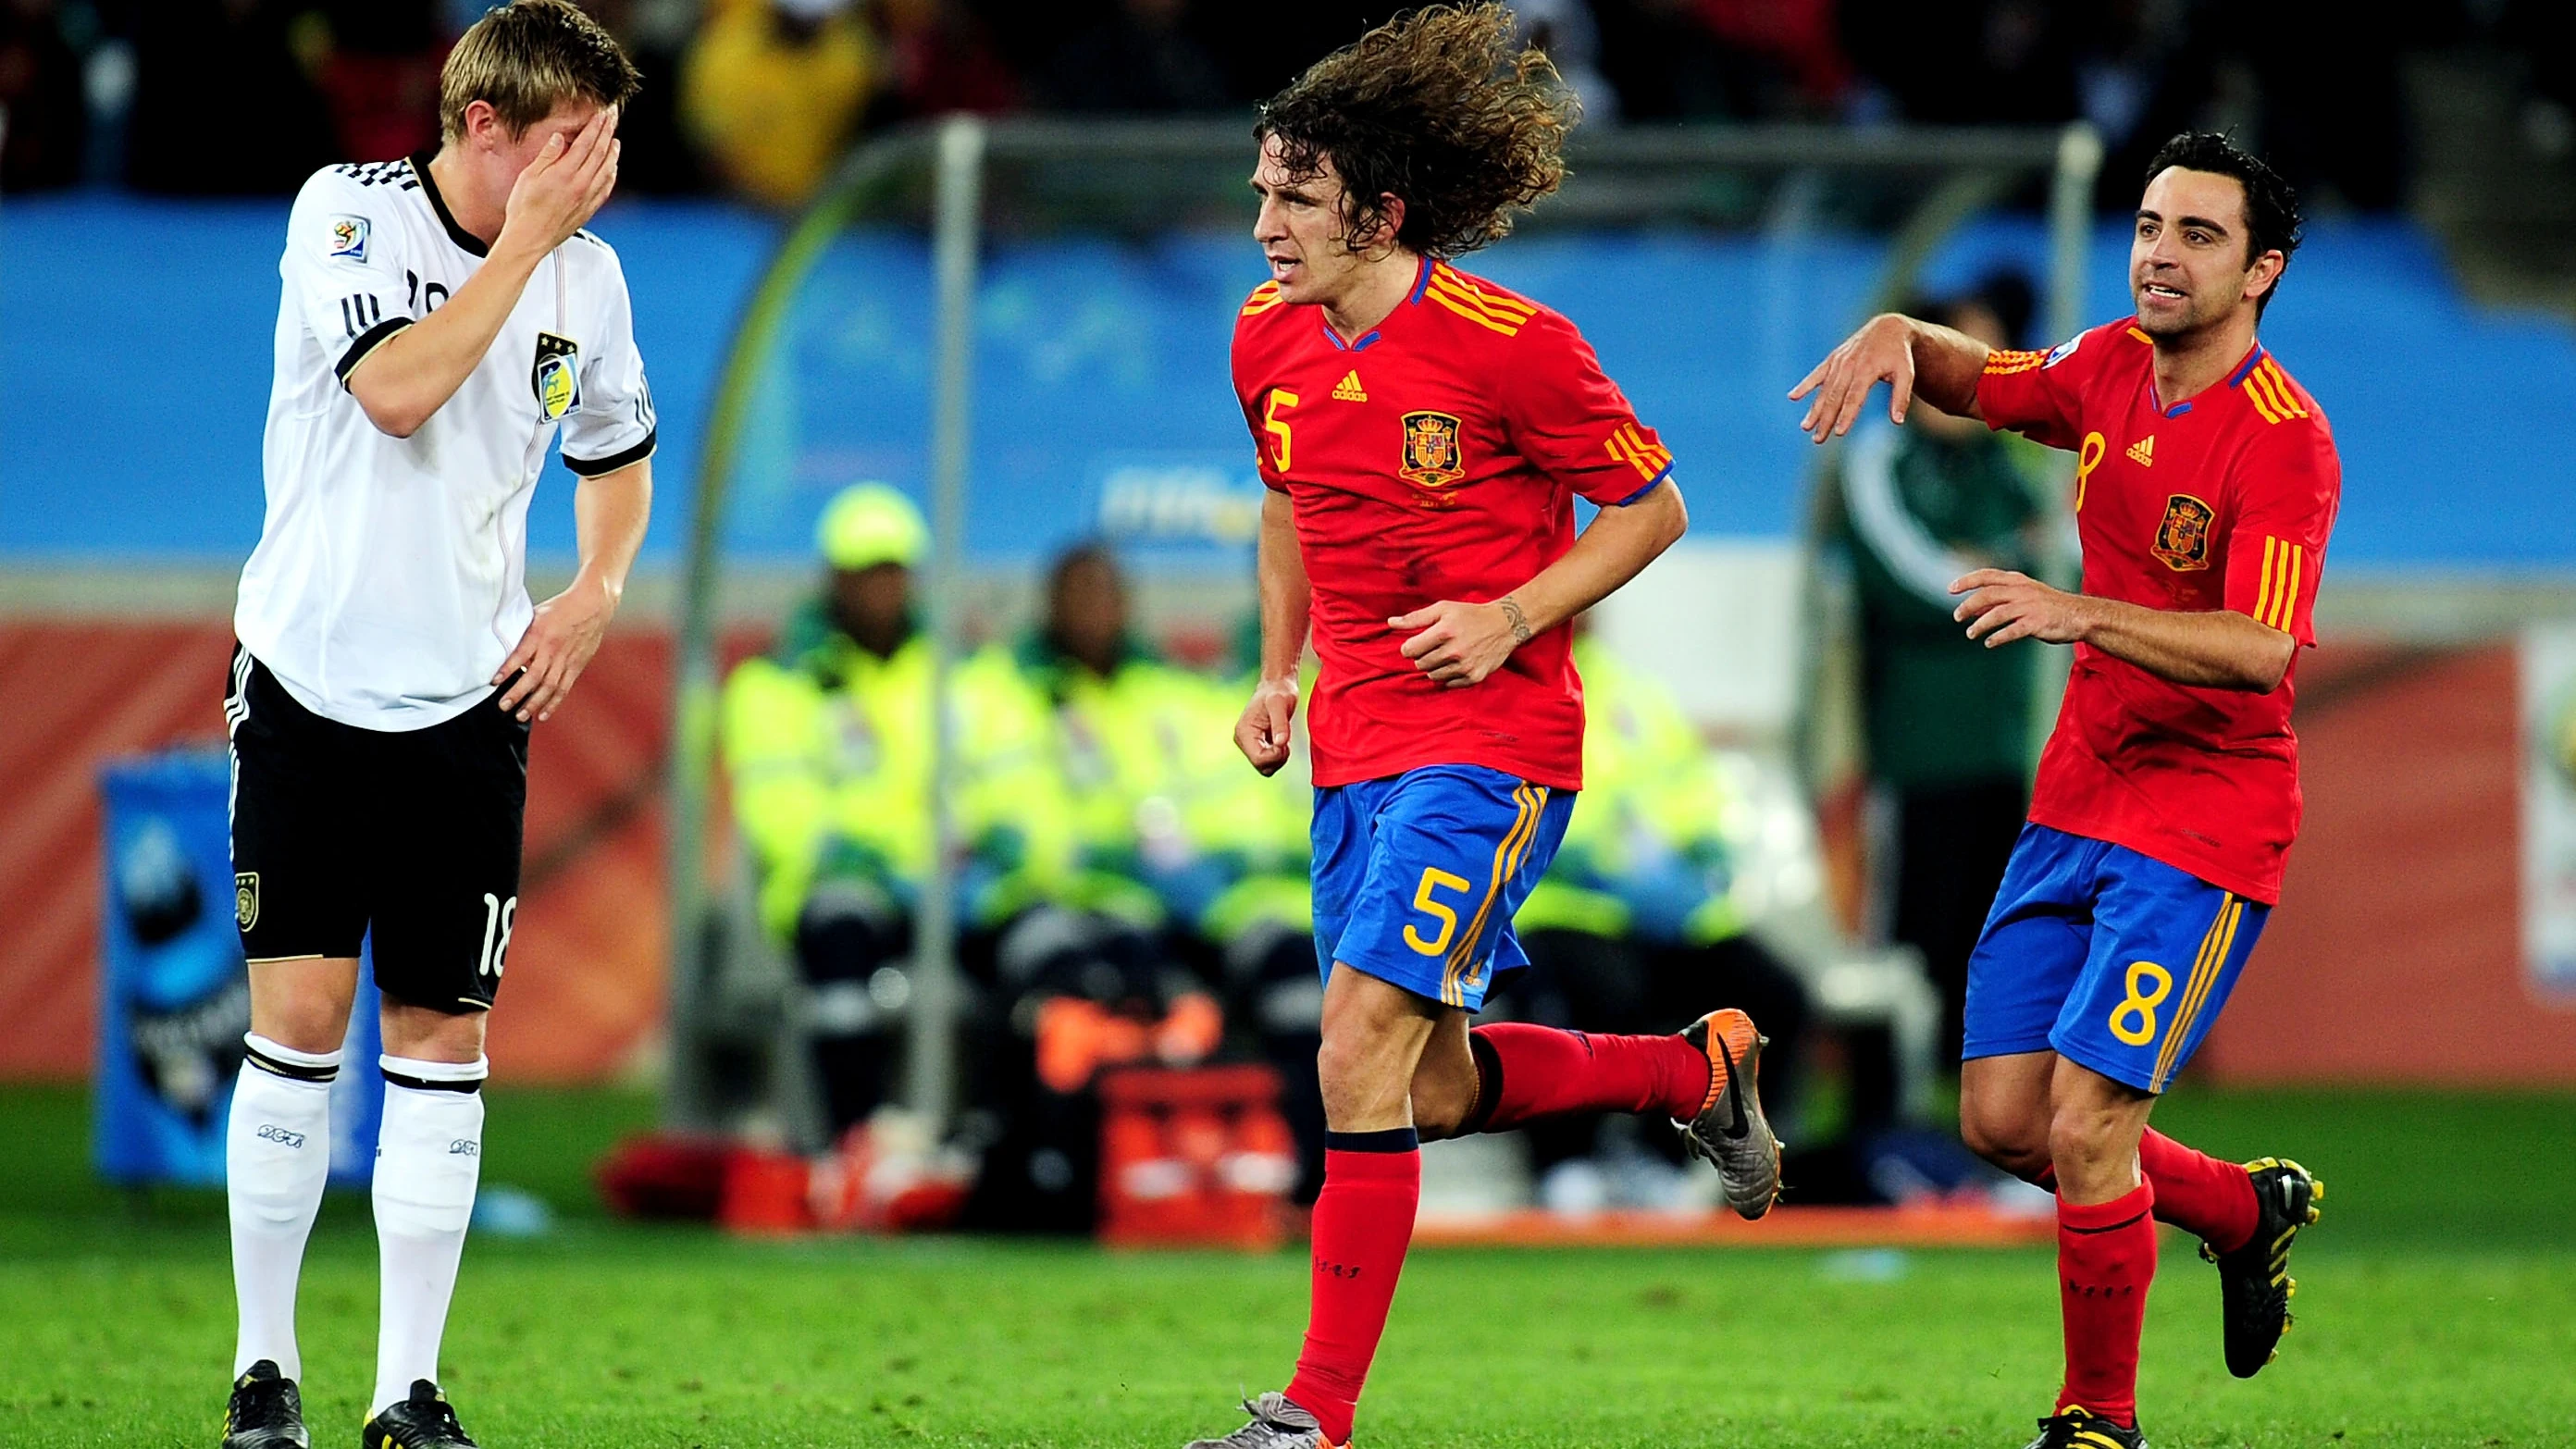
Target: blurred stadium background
(1047, 369)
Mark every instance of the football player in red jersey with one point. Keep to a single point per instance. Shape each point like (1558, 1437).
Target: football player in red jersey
(1424, 435)
(2167, 798)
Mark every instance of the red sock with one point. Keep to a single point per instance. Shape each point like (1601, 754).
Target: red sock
(2106, 1257)
(1527, 1072)
(2209, 1199)
(1363, 1223)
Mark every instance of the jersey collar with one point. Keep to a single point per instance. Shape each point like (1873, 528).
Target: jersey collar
(1421, 283)
(471, 244)
(2253, 359)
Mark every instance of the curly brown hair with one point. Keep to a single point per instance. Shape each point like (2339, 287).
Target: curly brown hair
(1440, 107)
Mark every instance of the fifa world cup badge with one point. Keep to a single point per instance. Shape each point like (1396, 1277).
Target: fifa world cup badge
(348, 238)
(1431, 453)
(557, 375)
(2182, 539)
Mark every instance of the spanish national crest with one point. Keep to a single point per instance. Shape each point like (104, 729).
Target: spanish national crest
(2182, 539)
(1431, 455)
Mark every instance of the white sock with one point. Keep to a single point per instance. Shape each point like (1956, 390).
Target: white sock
(427, 1160)
(277, 1155)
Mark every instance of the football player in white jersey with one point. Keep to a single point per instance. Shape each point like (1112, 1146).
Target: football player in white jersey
(443, 320)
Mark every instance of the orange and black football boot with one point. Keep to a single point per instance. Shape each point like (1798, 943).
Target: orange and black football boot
(1729, 1130)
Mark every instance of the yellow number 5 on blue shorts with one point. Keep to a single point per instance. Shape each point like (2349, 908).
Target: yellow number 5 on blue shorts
(1417, 876)
(2107, 957)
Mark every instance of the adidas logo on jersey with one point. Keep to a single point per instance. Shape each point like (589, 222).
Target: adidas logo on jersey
(2143, 451)
(1349, 389)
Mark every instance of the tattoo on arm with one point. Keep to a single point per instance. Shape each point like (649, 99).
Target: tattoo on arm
(1511, 608)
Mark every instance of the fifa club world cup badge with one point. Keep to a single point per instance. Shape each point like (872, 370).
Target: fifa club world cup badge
(2182, 539)
(1431, 456)
(557, 375)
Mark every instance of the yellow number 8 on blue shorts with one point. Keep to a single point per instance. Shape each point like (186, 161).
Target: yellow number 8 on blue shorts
(2104, 956)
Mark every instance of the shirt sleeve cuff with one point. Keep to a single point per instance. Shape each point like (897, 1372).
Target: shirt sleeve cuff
(366, 343)
(1640, 495)
(594, 467)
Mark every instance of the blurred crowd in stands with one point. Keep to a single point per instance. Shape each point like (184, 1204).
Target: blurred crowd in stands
(756, 97)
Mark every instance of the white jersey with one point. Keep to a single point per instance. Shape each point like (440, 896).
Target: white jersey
(390, 579)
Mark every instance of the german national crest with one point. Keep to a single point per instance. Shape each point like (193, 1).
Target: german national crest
(246, 899)
(2182, 539)
(1431, 455)
(557, 376)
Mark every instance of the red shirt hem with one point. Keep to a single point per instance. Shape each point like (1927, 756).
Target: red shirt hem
(2165, 850)
(1329, 775)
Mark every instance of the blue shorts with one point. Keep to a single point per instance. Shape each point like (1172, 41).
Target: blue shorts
(2106, 957)
(1417, 876)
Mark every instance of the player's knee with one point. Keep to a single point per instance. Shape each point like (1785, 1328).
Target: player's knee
(1358, 1078)
(433, 1036)
(1440, 1106)
(307, 1021)
(2085, 1134)
(2011, 1140)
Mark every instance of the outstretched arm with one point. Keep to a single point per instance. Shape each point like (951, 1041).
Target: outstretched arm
(1916, 359)
(2212, 649)
(1459, 644)
(1262, 732)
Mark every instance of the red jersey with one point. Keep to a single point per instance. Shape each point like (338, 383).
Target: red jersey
(2219, 501)
(1436, 457)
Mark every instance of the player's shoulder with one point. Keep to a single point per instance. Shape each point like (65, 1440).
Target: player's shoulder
(2275, 397)
(1482, 307)
(2088, 352)
(1264, 314)
(361, 181)
(591, 256)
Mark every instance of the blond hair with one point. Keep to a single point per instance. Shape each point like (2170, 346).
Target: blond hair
(528, 57)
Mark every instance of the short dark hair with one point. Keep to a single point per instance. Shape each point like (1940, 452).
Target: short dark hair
(2272, 218)
(1441, 107)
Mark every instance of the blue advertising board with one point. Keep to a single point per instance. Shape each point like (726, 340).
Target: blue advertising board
(174, 999)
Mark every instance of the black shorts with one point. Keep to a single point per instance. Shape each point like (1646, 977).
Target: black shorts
(411, 836)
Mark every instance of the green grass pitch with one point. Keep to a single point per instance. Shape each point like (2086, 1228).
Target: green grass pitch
(2438, 1307)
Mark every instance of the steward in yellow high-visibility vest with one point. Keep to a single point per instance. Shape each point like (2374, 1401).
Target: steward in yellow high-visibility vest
(1174, 831)
(827, 747)
(827, 741)
(1168, 831)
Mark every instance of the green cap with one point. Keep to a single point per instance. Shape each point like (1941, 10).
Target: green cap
(867, 524)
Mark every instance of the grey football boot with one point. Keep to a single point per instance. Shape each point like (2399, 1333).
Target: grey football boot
(1729, 1130)
(1276, 1423)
